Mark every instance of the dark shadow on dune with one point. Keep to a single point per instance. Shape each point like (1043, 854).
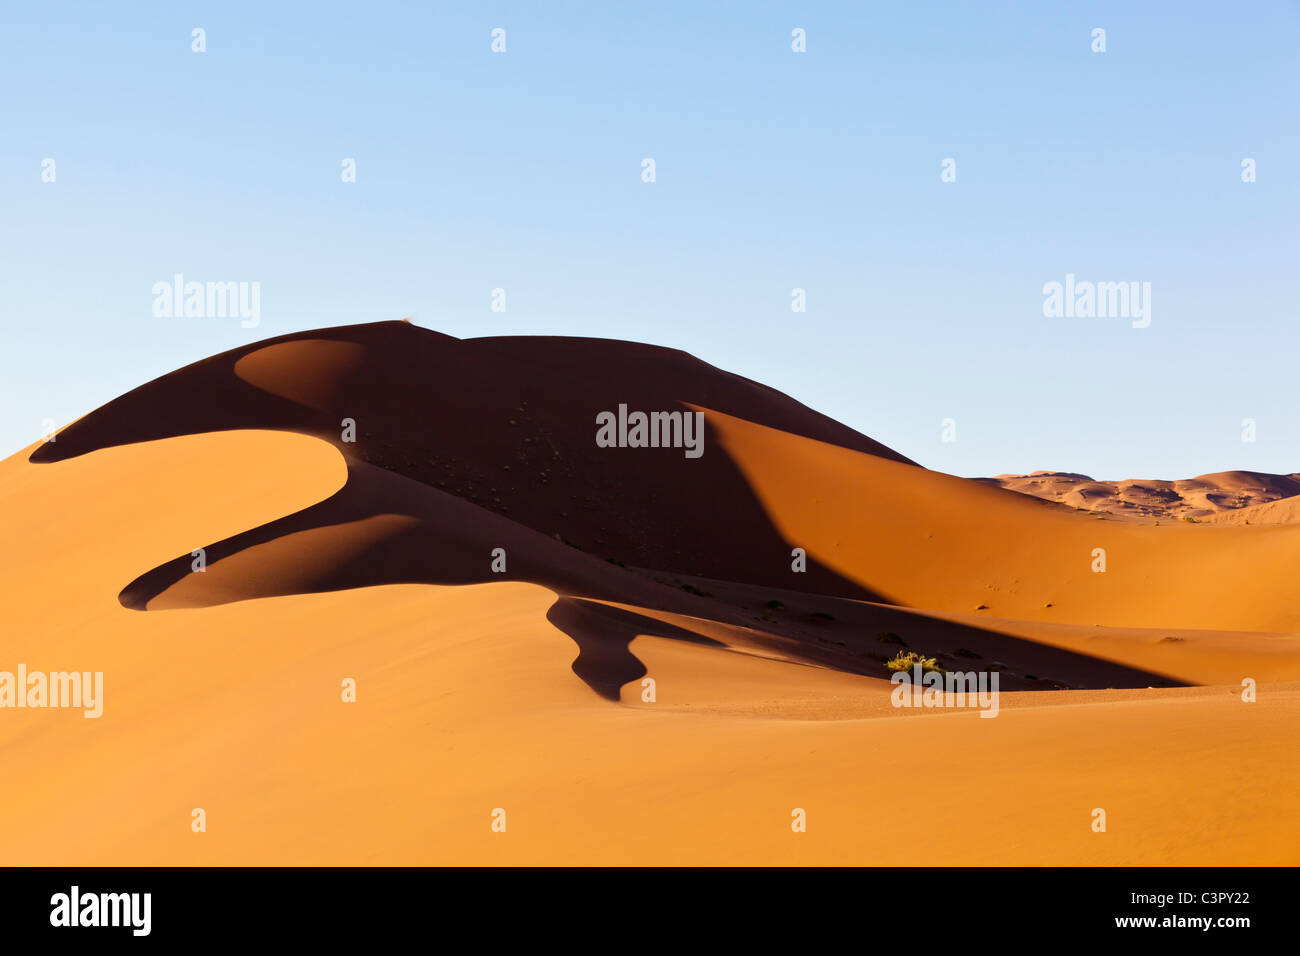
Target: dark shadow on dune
(1024, 664)
(603, 635)
(462, 447)
(505, 424)
(438, 539)
(858, 637)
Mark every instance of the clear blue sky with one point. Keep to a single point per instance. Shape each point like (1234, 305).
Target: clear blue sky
(775, 170)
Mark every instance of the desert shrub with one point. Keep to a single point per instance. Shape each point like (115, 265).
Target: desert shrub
(906, 660)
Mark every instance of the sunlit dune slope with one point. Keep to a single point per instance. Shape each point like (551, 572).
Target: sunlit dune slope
(930, 540)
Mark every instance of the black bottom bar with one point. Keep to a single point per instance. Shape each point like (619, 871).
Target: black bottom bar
(333, 905)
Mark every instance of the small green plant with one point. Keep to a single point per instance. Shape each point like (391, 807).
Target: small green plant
(906, 660)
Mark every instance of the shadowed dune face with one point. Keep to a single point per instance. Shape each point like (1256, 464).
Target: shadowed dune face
(506, 424)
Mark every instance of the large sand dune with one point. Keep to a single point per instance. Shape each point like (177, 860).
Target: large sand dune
(476, 690)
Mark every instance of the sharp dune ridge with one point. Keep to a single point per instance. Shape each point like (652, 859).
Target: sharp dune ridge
(373, 559)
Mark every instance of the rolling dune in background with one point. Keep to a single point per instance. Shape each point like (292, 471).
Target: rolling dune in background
(522, 690)
(1228, 497)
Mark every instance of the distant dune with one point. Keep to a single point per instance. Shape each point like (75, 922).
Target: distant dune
(1226, 497)
(479, 688)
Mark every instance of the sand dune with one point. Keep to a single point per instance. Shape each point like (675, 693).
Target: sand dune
(1216, 497)
(522, 690)
(506, 424)
(1282, 511)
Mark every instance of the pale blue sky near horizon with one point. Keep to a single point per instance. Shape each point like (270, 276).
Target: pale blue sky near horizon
(775, 170)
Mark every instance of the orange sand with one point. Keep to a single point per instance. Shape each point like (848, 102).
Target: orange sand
(225, 693)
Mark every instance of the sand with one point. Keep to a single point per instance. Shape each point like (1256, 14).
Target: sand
(522, 691)
(1230, 497)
